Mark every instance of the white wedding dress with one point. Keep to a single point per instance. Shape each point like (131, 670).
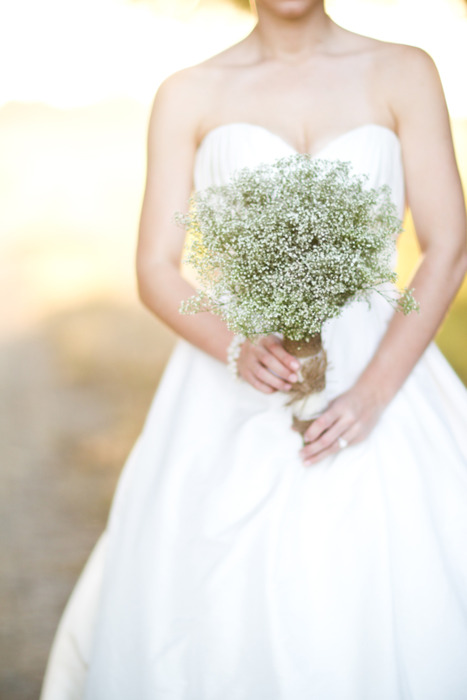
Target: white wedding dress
(229, 571)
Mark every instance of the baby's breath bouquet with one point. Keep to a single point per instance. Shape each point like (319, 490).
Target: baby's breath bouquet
(282, 248)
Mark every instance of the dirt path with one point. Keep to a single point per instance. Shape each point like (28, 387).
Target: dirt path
(74, 395)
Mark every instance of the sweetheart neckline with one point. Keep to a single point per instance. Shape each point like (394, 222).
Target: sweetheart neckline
(250, 125)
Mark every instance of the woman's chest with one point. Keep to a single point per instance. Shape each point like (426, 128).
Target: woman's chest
(304, 105)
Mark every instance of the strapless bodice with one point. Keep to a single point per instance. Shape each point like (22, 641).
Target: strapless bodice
(371, 148)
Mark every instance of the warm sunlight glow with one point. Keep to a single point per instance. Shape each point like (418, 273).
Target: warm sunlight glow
(76, 53)
(77, 82)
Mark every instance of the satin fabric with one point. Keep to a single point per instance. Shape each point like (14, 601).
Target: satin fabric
(230, 571)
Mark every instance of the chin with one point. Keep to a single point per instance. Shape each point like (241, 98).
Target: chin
(288, 9)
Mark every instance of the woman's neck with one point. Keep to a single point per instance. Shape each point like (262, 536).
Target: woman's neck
(290, 39)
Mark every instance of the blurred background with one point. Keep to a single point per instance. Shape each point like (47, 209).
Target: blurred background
(79, 358)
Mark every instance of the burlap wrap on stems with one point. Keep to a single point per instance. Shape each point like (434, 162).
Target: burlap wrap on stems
(313, 364)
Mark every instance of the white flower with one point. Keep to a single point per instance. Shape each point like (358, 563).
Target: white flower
(284, 246)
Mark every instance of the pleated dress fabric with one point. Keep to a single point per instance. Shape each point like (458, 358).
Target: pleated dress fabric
(229, 571)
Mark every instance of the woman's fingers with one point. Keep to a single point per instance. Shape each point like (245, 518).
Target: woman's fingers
(331, 449)
(350, 417)
(267, 366)
(274, 346)
(273, 364)
(258, 384)
(321, 425)
(267, 377)
(327, 443)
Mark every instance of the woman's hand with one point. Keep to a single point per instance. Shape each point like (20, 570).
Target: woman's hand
(266, 365)
(350, 417)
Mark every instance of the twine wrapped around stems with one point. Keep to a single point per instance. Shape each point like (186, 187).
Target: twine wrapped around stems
(311, 383)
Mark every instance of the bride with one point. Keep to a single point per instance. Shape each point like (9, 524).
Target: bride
(237, 563)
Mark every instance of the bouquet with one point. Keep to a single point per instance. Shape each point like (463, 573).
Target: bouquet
(282, 248)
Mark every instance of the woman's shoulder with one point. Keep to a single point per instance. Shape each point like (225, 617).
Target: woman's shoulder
(207, 75)
(408, 77)
(396, 70)
(402, 61)
(194, 91)
(384, 53)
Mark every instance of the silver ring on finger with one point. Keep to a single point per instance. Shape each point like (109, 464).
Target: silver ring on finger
(342, 442)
